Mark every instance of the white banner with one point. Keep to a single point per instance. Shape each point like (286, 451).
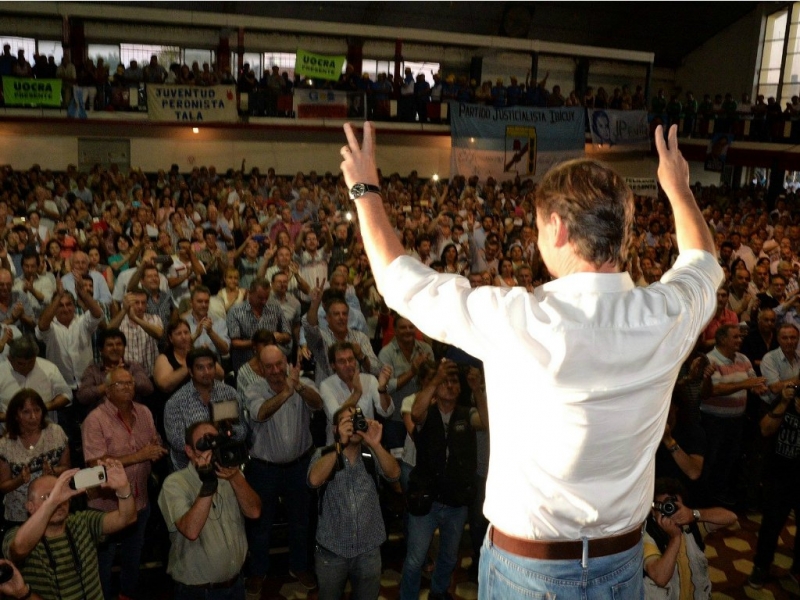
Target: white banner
(192, 104)
(320, 104)
(619, 130)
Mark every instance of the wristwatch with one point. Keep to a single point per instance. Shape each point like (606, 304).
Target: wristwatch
(360, 189)
(696, 515)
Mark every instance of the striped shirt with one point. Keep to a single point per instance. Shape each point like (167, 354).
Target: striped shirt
(184, 408)
(162, 307)
(141, 347)
(285, 435)
(242, 323)
(728, 371)
(65, 582)
(351, 505)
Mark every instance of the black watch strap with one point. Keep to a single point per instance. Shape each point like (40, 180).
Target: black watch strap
(359, 189)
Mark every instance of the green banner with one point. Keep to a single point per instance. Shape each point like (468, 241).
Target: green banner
(318, 66)
(21, 91)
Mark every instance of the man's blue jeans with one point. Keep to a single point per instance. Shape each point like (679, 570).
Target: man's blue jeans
(363, 571)
(450, 522)
(616, 577)
(130, 542)
(270, 483)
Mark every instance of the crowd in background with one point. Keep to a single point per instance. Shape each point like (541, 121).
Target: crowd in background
(174, 259)
(419, 96)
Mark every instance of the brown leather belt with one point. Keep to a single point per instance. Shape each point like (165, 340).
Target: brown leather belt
(571, 550)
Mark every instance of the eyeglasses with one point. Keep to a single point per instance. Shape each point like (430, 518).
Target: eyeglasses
(122, 384)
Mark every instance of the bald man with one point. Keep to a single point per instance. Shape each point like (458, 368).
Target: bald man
(79, 261)
(280, 408)
(53, 535)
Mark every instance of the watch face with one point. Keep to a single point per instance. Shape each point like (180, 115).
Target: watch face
(358, 190)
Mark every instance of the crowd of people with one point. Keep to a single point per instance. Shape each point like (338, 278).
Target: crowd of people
(419, 96)
(172, 326)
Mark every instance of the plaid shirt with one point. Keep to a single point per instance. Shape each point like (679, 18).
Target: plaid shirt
(141, 346)
(162, 308)
(184, 408)
(243, 323)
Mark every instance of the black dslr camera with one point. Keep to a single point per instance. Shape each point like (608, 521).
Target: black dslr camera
(667, 507)
(359, 421)
(225, 451)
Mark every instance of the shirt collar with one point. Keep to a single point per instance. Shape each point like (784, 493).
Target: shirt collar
(591, 282)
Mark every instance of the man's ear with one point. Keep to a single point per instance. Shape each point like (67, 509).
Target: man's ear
(30, 507)
(560, 233)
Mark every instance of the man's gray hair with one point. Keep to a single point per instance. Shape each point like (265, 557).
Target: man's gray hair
(24, 347)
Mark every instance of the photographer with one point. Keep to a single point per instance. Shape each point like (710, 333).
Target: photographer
(55, 550)
(351, 530)
(781, 425)
(204, 506)
(442, 484)
(15, 586)
(674, 536)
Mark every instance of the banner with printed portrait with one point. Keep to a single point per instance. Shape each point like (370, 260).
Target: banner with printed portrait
(516, 141)
(322, 104)
(192, 104)
(717, 152)
(619, 130)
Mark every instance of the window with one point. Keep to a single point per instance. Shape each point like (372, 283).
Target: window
(285, 61)
(192, 55)
(141, 53)
(426, 68)
(254, 59)
(108, 52)
(779, 71)
(20, 43)
(373, 67)
(791, 85)
(51, 48)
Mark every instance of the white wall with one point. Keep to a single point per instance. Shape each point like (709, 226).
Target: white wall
(727, 62)
(398, 152)
(286, 151)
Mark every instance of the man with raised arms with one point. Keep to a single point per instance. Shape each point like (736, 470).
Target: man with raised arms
(571, 468)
